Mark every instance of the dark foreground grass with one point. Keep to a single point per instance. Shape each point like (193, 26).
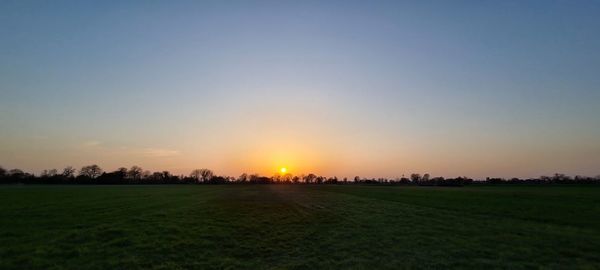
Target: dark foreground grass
(304, 227)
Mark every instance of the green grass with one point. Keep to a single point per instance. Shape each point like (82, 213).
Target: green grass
(299, 227)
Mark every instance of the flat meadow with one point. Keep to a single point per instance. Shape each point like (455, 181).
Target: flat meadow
(299, 227)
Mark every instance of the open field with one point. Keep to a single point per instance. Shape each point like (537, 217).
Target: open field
(308, 227)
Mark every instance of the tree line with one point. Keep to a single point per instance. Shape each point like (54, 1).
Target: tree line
(93, 174)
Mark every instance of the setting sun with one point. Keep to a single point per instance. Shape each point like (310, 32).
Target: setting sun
(283, 170)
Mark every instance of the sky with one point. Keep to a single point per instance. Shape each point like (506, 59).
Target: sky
(368, 88)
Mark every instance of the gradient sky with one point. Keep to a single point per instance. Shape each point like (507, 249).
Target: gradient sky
(369, 88)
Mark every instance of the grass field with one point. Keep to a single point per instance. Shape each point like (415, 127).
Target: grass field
(299, 227)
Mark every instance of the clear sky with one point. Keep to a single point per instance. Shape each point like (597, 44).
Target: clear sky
(369, 88)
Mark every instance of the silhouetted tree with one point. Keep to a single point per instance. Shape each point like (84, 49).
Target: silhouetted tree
(135, 173)
(68, 172)
(91, 171)
(146, 174)
(319, 179)
(415, 178)
(196, 175)
(49, 173)
(166, 177)
(243, 178)
(16, 173)
(254, 178)
(206, 175)
(93, 175)
(156, 177)
(332, 180)
(121, 173)
(218, 180)
(560, 178)
(112, 178)
(310, 178)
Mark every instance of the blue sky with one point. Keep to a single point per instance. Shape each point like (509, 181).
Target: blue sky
(377, 88)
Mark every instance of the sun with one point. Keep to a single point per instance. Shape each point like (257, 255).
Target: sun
(283, 170)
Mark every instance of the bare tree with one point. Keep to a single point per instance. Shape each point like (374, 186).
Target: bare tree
(91, 171)
(243, 178)
(49, 173)
(122, 171)
(415, 177)
(196, 174)
(206, 175)
(310, 178)
(135, 172)
(68, 172)
(156, 176)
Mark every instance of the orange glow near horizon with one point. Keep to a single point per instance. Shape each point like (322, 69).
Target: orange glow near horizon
(277, 154)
